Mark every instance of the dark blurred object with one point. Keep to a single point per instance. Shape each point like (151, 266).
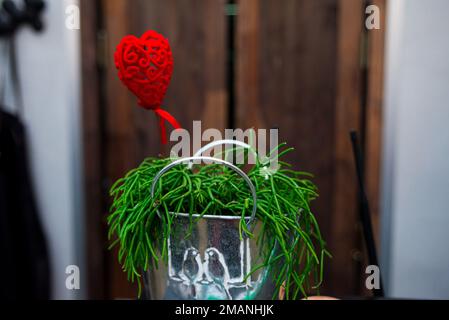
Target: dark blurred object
(11, 17)
(24, 269)
(365, 215)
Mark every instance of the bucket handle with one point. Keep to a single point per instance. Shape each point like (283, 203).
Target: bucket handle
(211, 159)
(222, 142)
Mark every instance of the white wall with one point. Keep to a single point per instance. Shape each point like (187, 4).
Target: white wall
(49, 66)
(415, 246)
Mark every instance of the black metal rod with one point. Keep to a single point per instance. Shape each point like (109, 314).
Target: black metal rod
(231, 62)
(365, 216)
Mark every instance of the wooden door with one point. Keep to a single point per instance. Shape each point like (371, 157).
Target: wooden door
(304, 67)
(297, 65)
(127, 134)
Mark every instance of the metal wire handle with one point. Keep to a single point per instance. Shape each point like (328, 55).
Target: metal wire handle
(220, 161)
(222, 142)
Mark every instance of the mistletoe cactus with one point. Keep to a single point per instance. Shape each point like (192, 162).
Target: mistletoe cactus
(140, 225)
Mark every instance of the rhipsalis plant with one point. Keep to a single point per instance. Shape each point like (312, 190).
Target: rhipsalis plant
(283, 209)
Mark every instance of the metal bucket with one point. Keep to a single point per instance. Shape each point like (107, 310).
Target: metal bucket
(212, 262)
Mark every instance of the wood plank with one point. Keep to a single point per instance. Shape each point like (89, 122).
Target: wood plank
(92, 144)
(119, 129)
(345, 227)
(298, 69)
(196, 31)
(373, 139)
(197, 34)
(247, 65)
(287, 78)
(292, 86)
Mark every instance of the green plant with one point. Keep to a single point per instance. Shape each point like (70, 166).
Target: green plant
(283, 207)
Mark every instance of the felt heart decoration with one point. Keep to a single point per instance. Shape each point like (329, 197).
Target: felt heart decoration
(145, 67)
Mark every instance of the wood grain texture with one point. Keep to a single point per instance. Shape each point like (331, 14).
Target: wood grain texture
(345, 241)
(373, 135)
(92, 144)
(294, 79)
(196, 31)
(286, 79)
(197, 34)
(247, 82)
(297, 69)
(120, 133)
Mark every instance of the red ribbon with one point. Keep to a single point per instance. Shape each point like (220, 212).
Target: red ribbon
(165, 116)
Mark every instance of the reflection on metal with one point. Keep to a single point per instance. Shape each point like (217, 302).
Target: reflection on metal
(207, 260)
(207, 275)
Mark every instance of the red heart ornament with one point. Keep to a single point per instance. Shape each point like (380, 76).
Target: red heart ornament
(145, 67)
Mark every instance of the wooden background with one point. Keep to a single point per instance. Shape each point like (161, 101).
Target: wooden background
(307, 67)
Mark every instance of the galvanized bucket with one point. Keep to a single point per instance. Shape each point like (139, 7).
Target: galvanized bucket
(212, 263)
